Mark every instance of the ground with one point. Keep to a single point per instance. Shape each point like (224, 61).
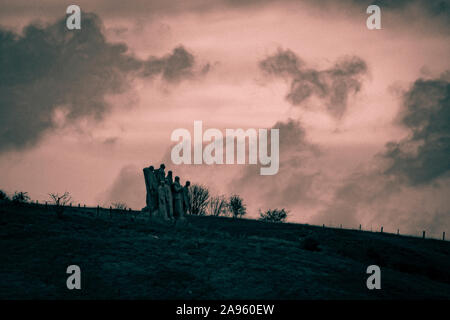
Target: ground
(127, 256)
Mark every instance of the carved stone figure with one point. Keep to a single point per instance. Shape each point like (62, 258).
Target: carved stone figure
(160, 173)
(162, 201)
(186, 198)
(166, 198)
(147, 188)
(169, 178)
(178, 198)
(153, 186)
(169, 199)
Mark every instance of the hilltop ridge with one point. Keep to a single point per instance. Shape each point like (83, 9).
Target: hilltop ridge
(127, 256)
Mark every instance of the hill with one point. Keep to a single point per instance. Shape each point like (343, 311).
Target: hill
(127, 256)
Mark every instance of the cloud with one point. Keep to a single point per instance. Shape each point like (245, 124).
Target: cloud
(297, 182)
(332, 85)
(435, 9)
(51, 71)
(424, 155)
(124, 188)
(110, 141)
(407, 185)
(373, 199)
(311, 187)
(173, 67)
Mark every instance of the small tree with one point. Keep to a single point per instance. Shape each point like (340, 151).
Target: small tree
(3, 195)
(20, 197)
(60, 201)
(199, 199)
(236, 206)
(274, 215)
(119, 205)
(217, 206)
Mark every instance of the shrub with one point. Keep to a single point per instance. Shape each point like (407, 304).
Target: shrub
(3, 195)
(60, 201)
(199, 199)
(236, 206)
(274, 215)
(218, 205)
(20, 197)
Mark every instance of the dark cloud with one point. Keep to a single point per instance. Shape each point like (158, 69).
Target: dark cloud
(295, 183)
(435, 9)
(425, 154)
(49, 68)
(407, 185)
(173, 67)
(332, 85)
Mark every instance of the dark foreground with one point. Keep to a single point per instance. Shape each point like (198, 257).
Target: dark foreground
(126, 256)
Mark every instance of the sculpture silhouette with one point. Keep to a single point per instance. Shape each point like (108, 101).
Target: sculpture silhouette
(165, 198)
(186, 198)
(162, 201)
(178, 198)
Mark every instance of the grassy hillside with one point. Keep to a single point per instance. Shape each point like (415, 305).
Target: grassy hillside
(126, 256)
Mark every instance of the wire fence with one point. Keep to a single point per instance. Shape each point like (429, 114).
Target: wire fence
(129, 212)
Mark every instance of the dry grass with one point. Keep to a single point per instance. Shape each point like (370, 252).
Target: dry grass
(209, 258)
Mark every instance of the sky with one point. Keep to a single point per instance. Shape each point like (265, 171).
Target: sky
(363, 114)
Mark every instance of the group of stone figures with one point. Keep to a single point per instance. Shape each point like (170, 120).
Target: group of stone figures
(166, 198)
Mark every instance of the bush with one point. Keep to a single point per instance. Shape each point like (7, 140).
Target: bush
(3, 195)
(236, 206)
(310, 244)
(217, 206)
(199, 199)
(60, 201)
(20, 197)
(274, 215)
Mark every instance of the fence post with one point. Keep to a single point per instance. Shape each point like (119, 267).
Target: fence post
(398, 231)
(98, 209)
(423, 235)
(341, 225)
(46, 206)
(443, 235)
(323, 225)
(110, 212)
(359, 227)
(78, 205)
(381, 229)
